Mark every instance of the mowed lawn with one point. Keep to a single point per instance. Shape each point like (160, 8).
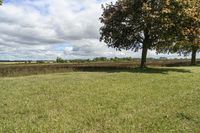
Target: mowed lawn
(150, 100)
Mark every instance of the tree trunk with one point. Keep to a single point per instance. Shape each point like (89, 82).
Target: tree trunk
(145, 48)
(194, 53)
(144, 55)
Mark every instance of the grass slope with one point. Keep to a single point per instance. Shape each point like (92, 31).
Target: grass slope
(151, 100)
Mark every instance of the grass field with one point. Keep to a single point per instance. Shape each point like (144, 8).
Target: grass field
(149, 100)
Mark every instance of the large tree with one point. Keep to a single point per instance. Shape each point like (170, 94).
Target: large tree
(186, 39)
(136, 24)
(190, 29)
(1, 1)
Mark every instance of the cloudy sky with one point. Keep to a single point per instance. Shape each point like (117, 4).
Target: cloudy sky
(46, 29)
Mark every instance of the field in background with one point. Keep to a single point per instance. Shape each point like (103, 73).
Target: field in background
(130, 100)
(21, 69)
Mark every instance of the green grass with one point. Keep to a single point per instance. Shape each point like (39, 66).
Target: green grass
(149, 100)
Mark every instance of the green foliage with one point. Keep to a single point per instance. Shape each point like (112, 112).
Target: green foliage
(164, 100)
(40, 62)
(126, 23)
(100, 59)
(134, 24)
(1, 1)
(122, 59)
(59, 60)
(187, 28)
(164, 25)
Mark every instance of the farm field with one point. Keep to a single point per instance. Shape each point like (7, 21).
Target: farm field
(130, 100)
(44, 68)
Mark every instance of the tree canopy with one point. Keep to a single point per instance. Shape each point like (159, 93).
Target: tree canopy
(135, 24)
(1, 1)
(146, 24)
(187, 23)
(191, 30)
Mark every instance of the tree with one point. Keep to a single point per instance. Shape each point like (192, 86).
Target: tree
(187, 36)
(191, 29)
(135, 24)
(1, 1)
(59, 60)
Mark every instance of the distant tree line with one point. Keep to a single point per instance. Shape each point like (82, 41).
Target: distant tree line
(115, 59)
(97, 59)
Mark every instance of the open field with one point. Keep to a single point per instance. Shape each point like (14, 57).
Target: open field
(129, 100)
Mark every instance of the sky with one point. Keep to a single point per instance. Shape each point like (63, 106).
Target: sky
(47, 29)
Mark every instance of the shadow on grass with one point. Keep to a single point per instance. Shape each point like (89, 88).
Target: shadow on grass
(134, 70)
(32, 70)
